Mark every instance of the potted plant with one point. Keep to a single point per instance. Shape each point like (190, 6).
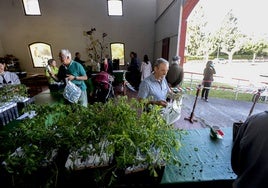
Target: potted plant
(118, 135)
(12, 92)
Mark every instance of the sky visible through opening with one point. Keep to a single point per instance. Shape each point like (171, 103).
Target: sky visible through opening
(251, 15)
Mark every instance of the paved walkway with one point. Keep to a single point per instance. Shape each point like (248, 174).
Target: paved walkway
(220, 112)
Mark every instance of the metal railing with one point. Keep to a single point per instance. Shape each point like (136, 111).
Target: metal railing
(236, 85)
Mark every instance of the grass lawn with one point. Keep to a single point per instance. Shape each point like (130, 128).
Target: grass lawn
(219, 90)
(245, 75)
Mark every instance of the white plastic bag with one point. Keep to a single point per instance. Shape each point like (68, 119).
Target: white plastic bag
(172, 112)
(72, 92)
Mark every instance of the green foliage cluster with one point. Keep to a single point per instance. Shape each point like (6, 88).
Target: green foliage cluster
(226, 40)
(10, 92)
(135, 137)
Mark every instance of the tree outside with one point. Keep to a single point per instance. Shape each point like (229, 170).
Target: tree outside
(226, 41)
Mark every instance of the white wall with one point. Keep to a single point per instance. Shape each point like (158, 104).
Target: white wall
(167, 25)
(63, 22)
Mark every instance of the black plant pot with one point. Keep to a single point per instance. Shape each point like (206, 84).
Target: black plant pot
(39, 178)
(63, 174)
(101, 177)
(142, 178)
(90, 177)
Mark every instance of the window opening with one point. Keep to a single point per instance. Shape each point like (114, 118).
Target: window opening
(115, 7)
(31, 7)
(40, 53)
(118, 51)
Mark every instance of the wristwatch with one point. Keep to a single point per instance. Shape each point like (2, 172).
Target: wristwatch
(75, 78)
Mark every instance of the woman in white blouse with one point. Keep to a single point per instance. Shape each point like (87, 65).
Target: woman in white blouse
(146, 67)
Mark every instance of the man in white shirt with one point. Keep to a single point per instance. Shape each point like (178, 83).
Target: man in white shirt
(7, 77)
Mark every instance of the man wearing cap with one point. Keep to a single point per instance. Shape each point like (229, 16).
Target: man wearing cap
(175, 73)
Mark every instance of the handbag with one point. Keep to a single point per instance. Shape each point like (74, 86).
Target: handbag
(172, 112)
(72, 92)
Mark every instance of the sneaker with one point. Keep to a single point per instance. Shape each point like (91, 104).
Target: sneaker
(206, 100)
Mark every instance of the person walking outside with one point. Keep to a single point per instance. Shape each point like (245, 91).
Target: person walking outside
(208, 73)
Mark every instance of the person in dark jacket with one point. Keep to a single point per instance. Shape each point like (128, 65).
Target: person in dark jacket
(175, 73)
(249, 157)
(208, 73)
(77, 58)
(62, 74)
(133, 76)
